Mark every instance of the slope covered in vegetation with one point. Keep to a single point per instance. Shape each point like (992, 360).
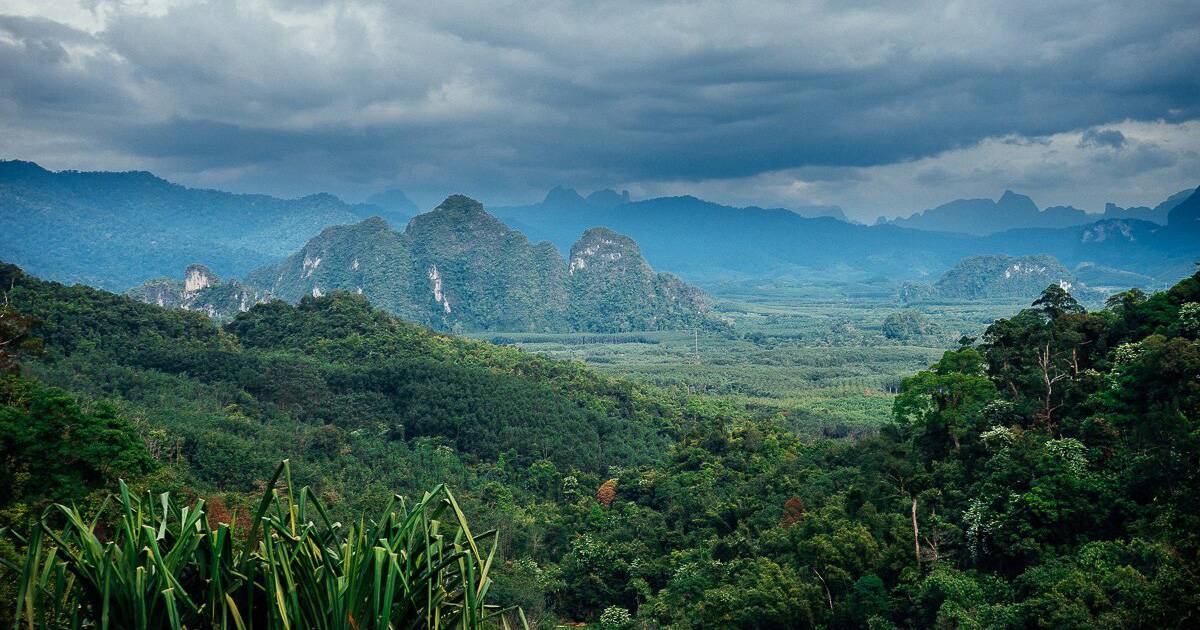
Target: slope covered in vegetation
(331, 367)
(1046, 474)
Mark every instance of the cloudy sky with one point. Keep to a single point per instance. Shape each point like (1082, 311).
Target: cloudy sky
(881, 107)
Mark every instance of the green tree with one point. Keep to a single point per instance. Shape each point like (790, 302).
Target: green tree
(52, 449)
(905, 325)
(939, 405)
(1056, 301)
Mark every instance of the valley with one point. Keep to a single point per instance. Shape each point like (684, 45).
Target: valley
(815, 354)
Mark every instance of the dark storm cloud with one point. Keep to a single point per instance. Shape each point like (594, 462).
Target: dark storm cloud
(40, 75)
(510, 97)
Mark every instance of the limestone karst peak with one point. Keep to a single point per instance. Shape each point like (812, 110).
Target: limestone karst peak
(198, 277)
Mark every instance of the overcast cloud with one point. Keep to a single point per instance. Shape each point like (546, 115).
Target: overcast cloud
(880, 107)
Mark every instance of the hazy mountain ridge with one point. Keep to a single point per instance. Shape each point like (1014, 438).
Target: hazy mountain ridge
(395, 203)
(116, 229)
(112, 230)
(709, 242)
(1011, 211)
(1185, 216)
(564, 213)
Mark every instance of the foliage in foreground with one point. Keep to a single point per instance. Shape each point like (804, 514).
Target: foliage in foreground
(166, 565)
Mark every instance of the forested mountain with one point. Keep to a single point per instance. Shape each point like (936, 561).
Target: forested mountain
(114, 230)
(337, 361)
(459, 268)
(1045, 475)
(611, 288)
(1014, 211)
(998, 277)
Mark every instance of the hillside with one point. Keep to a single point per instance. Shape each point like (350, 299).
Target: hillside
(113, 230)
(332, 367)
(1042, 477)
(459, 268)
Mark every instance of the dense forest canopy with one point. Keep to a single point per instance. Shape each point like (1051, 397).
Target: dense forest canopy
(1045, 474)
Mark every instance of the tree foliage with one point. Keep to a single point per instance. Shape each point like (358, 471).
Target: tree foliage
(1044, 475)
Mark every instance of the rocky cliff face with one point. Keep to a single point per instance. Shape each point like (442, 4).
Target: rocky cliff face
(197, 278)
(200, 290)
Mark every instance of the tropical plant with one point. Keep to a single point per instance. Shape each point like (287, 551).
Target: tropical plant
(167, 565)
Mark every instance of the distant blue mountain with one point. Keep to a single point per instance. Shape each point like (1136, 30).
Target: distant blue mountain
(1014, 211)
(559, 217)
(705, 241)
(396, 207)
(114, 230)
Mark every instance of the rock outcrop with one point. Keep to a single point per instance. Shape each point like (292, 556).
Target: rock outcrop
(200, 290)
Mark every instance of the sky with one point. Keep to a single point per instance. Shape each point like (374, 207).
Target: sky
(883, 108)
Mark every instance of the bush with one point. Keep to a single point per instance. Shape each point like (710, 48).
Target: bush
(165, 566)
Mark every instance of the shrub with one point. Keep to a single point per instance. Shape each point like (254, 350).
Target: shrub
(166, 566)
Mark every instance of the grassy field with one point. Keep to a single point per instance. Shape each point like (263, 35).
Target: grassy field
(815, 354)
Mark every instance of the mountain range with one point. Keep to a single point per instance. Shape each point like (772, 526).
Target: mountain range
(114, 230)
(458, 268)
(1015, 211)
(563, 212)
(707, 242)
